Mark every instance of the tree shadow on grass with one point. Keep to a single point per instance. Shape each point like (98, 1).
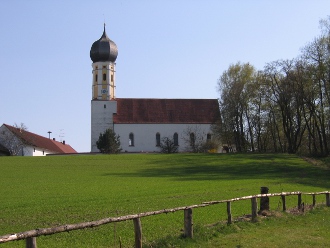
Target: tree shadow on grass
(235, 167)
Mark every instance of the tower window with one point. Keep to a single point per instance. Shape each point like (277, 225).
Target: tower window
(111, 77)
(95, 77)
(104, 76)
(131, 139)
(157, 139)
(176, 139)
(105, 106)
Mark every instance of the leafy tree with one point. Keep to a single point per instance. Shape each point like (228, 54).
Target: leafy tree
(167, 145)
(109, 142)
(237, 88)
(284, 108)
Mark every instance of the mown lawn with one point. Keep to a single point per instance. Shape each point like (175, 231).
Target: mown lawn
(49, 191)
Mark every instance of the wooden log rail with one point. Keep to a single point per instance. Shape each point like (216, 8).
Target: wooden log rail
(30, 236)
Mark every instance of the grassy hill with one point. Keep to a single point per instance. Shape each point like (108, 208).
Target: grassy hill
(39, 192)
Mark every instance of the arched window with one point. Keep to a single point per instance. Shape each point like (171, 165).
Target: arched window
(192, 139)
(208, 137)
(104, 76)
(176, 139)
(131, 139)
(157, 139)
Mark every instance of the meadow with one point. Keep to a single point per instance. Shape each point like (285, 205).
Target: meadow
(38, 192)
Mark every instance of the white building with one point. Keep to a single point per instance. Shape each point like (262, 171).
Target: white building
(20, 142)
(142, 123)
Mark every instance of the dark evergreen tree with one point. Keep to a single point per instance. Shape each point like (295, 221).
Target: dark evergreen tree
(108, 142)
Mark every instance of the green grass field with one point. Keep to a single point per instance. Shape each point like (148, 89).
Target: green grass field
(38, 192)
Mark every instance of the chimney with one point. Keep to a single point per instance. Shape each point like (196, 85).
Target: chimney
(54, 139)
(63, 142)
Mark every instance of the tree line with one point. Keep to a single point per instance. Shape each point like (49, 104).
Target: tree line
(283, 108)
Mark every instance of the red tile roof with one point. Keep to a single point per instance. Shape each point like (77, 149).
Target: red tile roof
(40, 141)
(184, 111)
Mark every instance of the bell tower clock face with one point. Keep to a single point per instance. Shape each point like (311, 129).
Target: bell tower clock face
(104, 91)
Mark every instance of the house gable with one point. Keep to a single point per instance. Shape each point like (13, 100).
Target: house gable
(35, 140)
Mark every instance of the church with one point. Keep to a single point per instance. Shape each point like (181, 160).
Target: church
(141, 123)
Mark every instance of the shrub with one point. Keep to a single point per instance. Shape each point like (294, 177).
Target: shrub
(108, 142)
(167, 145)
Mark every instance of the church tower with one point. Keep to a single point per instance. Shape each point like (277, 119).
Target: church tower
(103, 53)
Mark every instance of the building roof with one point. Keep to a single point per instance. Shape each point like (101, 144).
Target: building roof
(170, 111)
(104, 49)
(36, 140)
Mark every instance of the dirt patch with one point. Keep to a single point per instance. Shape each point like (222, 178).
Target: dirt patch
(315, 162)
(304, 208)
(268, 213)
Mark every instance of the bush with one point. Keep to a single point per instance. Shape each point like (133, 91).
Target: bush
(210, 146)
(167, 146)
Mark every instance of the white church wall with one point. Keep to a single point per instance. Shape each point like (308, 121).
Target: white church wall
(102, 119)
(145, 135)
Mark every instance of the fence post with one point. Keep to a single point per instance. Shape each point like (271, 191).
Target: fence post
(254, 205)
(229, 220)
(299, 201)
(264, 201)
(314, 200)
(138, 232)
(327, 199)
(31, 242)
(283, 202)
(188, 223)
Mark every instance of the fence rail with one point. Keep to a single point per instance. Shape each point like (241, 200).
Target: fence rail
(30, 236)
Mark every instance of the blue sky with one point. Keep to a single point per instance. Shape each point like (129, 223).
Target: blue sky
(167, 49)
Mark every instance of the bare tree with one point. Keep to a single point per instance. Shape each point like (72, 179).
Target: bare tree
(316, 55)
(167, 145)
(288, 95)
(196, 140)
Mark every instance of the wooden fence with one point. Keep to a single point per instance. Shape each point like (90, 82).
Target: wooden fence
(30, 236)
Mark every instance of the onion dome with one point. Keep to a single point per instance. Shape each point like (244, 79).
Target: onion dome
(104, 49)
